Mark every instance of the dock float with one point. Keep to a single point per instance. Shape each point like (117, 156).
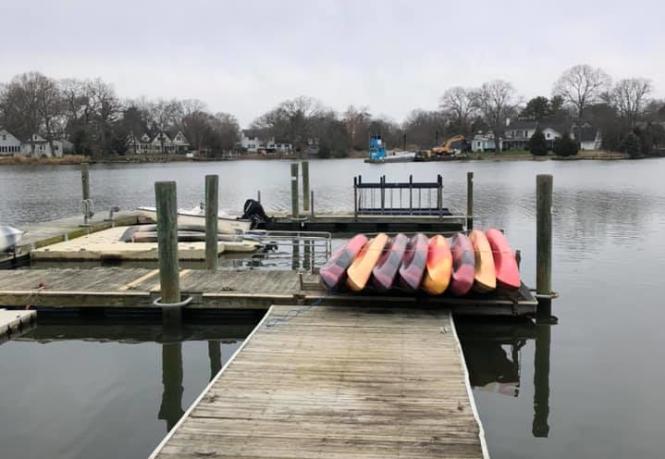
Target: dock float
(321, 381)
(11, 321)
(116, 288)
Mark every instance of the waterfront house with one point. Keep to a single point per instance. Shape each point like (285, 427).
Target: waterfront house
(252, 143)
(519, 133)
(39, 147)
(9, 144)
(587, 136)
(159, 144)
(483, 142)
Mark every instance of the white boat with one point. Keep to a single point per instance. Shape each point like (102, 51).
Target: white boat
(225, 225)
(9, 237)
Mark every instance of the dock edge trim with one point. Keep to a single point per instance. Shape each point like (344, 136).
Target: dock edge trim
(469, 391)
(198, 399)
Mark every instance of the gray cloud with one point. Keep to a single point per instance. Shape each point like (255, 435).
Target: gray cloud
(244, 57)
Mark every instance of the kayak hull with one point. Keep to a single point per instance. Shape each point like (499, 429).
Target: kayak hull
(385, 271)
(464, 272)
(439, 266)
(332, 274)
(413, 266)
(485, 277)
(361, 269)
(507, 271)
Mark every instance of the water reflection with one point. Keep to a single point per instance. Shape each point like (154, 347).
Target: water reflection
(170, 409)
(492, 351)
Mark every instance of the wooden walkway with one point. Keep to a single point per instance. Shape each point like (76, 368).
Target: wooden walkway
(138, 288)
(327, 382)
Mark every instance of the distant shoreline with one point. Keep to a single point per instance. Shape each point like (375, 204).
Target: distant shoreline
(69, 160)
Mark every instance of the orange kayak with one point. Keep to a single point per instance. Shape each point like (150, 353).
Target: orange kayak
(361, 269)
(485, 278)
(439, 266)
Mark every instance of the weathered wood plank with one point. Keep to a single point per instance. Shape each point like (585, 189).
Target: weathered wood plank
(313, 382)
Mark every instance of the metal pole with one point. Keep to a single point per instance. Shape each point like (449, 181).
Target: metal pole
(544, 185)
(355, 197)
(469, 200)
(212, 215)
(167, 240)
(382, 183)
(305, 185)
(294, 190)
(439, 195)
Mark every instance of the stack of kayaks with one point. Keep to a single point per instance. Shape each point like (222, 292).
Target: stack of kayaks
(480, 262)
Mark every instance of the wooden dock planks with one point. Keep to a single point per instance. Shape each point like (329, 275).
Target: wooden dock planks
(116, 287)
(330, 382)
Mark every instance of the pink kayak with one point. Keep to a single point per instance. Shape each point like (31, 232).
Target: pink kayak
(334, 271)
(507, 272)
(385, 270)
(413, 265)
(464, 262)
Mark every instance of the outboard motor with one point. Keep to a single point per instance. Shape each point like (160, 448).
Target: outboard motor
(253, 210)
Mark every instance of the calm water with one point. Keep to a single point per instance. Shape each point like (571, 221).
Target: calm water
(597, 392)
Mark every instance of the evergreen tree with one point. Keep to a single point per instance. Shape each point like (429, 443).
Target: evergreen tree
(538, 144)
(565, 146)
(631, 145)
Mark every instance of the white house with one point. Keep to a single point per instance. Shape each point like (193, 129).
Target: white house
(9, 144)
(180, 143)
(160, 144)
(588, 137)
(250, 143)
(482, 142)
(519, 133)
(40, 147)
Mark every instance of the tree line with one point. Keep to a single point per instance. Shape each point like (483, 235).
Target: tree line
(91, 115)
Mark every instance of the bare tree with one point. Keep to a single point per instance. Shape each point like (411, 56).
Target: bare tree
(356, 121)
(457, 103)
(629, 97)
(50, 107)
(581, 85)
(495, 102)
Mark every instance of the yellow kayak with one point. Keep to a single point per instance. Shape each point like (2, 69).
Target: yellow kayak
(439, 266)
(485, 278)
(361, 269)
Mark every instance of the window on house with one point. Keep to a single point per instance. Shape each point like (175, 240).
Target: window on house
(4, 136)
(549, 135)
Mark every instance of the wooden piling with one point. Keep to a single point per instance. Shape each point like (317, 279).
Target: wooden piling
(469, 200)
(311, 203)
(355, 197)
(85, 181)
(439, 195)
(544, 241)
(541, 381)
(86, 204)
(294, 190)
(167, 239)
(305, 185)
(212, 214)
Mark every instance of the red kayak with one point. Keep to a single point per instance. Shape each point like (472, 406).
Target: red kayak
(464, 265)
(333, 272)
(383, 274)
(413, 265)
(507, 272)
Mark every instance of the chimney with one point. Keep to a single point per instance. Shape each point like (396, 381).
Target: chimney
(507, 121)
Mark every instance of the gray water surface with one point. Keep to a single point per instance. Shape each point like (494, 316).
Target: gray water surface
(599, 373)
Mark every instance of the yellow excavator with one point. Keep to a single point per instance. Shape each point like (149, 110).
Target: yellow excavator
(448, 148)
(451, 146)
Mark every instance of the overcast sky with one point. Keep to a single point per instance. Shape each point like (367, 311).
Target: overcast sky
(245, 56)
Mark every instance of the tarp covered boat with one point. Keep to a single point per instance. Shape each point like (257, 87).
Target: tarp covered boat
(9, 237)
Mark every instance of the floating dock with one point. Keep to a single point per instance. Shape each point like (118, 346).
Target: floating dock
(337, 382)
(12, 321)
(117, 288)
